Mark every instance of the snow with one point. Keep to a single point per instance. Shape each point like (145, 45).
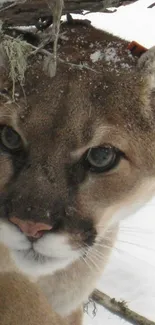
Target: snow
(103, 317)
(96, 56)
(129, 275)
(110, 55)
(132, 22)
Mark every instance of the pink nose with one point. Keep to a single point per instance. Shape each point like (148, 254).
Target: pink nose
(30, 228)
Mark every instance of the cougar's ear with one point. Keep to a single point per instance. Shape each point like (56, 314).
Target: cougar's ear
(146, 67)
(147, 61)
(4, 71)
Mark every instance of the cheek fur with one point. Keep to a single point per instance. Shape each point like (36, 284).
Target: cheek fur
(7, 168)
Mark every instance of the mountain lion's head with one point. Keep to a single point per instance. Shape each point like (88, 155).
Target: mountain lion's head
(77, 153)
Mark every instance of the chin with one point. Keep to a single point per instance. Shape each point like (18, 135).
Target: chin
(34, 264)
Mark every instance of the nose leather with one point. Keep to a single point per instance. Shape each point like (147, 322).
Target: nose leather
(30, 228)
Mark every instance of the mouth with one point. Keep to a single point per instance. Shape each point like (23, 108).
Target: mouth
(31, 254)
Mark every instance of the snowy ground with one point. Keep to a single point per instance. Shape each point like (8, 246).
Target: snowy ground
(130, 274)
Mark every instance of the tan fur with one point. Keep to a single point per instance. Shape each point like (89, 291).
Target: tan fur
(75, 318)
(21, 301)
(109, 102)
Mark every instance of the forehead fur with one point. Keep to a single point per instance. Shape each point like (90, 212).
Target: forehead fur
(108, 89)
(78, 104)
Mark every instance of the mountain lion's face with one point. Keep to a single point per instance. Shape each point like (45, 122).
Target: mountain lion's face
(78, 158)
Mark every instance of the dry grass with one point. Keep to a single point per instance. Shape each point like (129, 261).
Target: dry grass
(17, 52)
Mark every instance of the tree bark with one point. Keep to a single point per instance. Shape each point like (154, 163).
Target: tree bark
(29, 12)
(120, 309)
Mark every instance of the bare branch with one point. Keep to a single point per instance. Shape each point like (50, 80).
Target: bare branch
(56, 7)
(120, 308)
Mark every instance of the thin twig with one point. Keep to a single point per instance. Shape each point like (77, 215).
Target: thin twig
(79, 66)
(119, 308)
(47, 39)
(51, 64)
(12, 5)
(8, 7)
(49, 54)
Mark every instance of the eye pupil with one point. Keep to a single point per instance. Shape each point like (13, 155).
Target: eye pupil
(10, 138)
(101, 156)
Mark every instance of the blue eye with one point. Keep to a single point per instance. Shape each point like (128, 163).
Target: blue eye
(101, 159)
(10, 139)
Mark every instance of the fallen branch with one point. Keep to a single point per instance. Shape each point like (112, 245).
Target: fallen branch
(119, 308)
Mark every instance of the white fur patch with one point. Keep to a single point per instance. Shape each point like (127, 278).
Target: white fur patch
(44, 256)
(12, 237)
(55, 245)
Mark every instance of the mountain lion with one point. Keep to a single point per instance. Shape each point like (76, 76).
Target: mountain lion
(77, 156)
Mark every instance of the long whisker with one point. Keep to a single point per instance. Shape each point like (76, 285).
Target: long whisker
(120, 252)
(94, 252)
(128, 242)
(86, 262)
(133, 256)
(93, 262)
(136, 244)
(99, 257)
(132, 230)
(136, 230)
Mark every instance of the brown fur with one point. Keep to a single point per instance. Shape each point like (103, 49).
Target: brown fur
(111, 102)
(21, 301)
(75, 318)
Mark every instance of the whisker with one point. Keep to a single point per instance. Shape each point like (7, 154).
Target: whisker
(97, 254)
(120, 251)
(101, 239)
(136, 244)
(93, 262)
(94, 252)
(133, 256)
(86, 262)
(136, 230)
